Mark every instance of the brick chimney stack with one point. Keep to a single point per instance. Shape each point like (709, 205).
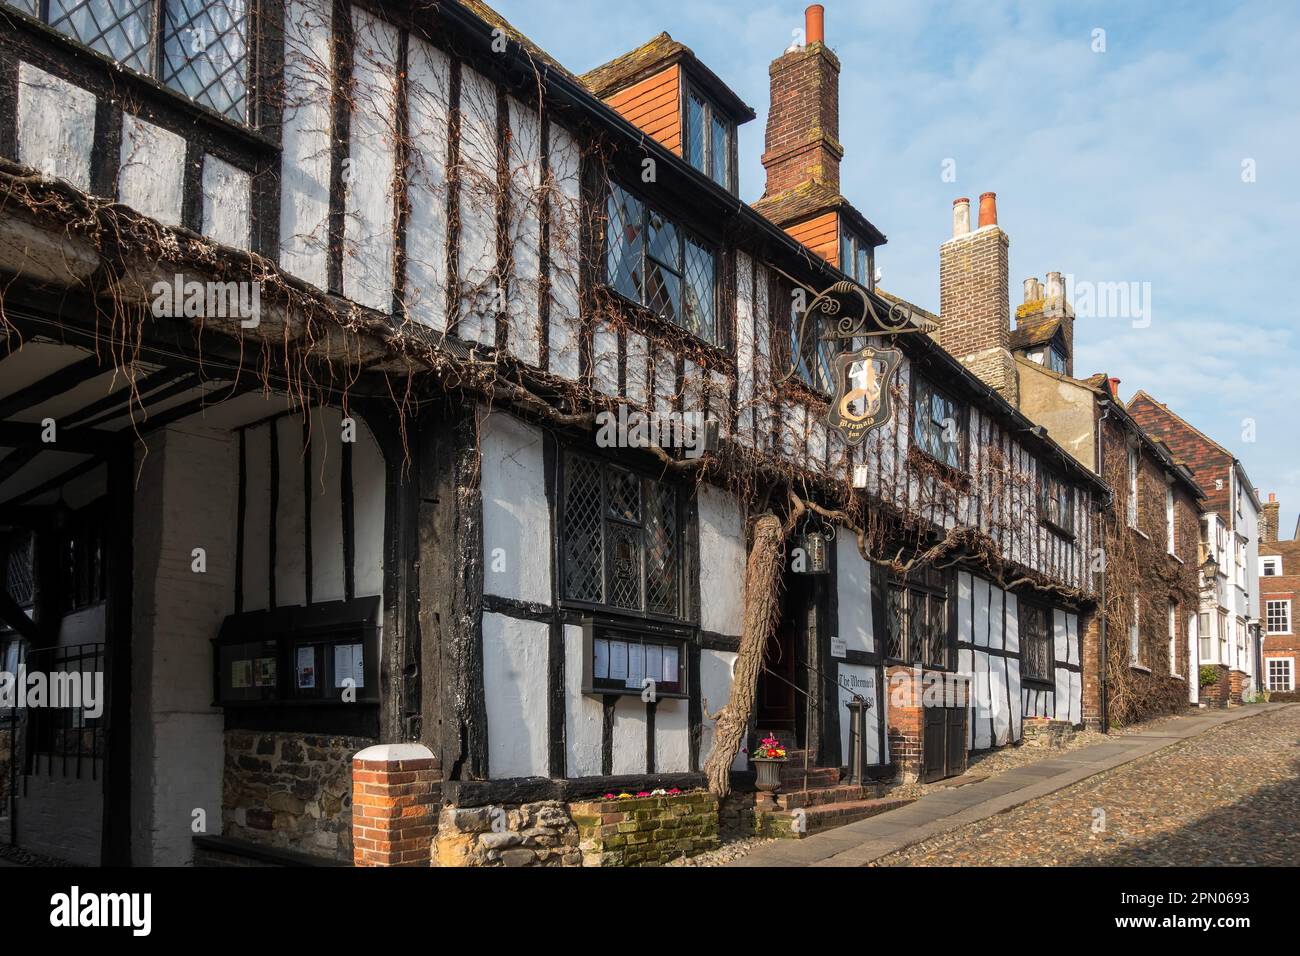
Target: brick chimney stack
(1046, 303)
(1268, 519)
(974, 297)
(803, 123)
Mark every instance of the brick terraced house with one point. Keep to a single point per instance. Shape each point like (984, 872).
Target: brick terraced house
(1279, 599)
(307, 329)
(1230, 612)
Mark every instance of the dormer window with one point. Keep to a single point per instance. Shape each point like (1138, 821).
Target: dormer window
(856, 259)
(710, 135)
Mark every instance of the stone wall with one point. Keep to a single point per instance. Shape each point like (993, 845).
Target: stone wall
(531, 834)
(290, 790)
(646, 831)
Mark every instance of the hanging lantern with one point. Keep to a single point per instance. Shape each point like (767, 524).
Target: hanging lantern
(814, 558)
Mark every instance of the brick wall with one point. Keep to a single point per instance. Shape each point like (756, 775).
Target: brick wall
(974, 306)
(803, 123)
(906, 722)
(1283, 587)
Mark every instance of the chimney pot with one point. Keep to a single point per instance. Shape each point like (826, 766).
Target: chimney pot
(1272, 497)
(988, 209)
(960, 217)
(1031, 286)
(1114, 387)
(1055, 289)
(814, 24)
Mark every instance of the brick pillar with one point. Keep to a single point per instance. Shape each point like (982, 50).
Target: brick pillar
(395, 796)
(1092, 671)
(906, 721)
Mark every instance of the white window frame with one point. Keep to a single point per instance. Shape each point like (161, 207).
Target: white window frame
(1273, 561)
(1173, 639)
(1132, 486)
(1290, 673)
(1169, 519)
(1285, 605)
(1135, 633)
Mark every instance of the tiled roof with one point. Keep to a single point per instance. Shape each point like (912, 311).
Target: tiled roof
(490, 16)
(1033, 333)
(655, 54)
(808, 199)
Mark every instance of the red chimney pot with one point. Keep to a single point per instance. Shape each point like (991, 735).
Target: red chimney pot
(1114, 387)
(988, 209)
(814, 24)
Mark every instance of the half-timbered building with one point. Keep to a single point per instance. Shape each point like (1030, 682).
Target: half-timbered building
(311, 309)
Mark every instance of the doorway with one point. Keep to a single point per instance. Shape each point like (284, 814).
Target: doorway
(783, 683)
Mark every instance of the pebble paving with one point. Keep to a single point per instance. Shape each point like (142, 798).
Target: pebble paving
(1227, 797)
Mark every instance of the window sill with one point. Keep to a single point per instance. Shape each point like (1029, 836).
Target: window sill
(1140, 667)
(953, 477)
(1056, 529)
(1045, 683)
(646, 320)
(1136, 530)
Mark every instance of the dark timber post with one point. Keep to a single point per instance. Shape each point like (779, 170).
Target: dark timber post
(116, 834)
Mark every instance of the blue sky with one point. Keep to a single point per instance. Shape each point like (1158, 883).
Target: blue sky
(1117, 166)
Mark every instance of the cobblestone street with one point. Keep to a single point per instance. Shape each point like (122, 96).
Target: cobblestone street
(1229, 796)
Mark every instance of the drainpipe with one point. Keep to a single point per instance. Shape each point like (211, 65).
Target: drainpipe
(1102, 652)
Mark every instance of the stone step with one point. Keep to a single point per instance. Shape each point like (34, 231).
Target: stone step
(841, 793)
(799, 822)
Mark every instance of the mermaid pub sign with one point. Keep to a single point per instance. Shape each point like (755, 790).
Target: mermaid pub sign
(863, 399)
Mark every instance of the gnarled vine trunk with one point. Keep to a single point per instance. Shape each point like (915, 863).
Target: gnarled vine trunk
(762, 608)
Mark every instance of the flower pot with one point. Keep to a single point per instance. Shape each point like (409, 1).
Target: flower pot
(769, 773)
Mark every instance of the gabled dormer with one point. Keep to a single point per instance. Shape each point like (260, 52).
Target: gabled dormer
(662, 88)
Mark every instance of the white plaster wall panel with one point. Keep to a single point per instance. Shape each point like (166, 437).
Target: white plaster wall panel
(982, 712)
(853, 585)
(368, 489)
(836, 455)
(227, 203)
(1060, 644)
(565, 198)
(715, 690)
(998, 701)
(368, 184)
(763, 415)
(1013, 623)
(722, 561)
(514, 690)
(980, 624)
(693, 399)
(1014, 695)
(1076, 697)
(290, 516)
(583, 715)
(665, 398)
(56, 126)
(524, 167)
(1062, 698)
(257, 517)
(793, 423)
(479, 162)
(327, 570)
(719, 388)
(516, 519)
(428, 111)
(816, 444)
(629, 737)
(188, 500)
(672, 736)
(637, 369)
(604, 359)
(152, 173)
(305, 138)
(997, 617)
(965, 607)
(1072, 636)
(744, 338)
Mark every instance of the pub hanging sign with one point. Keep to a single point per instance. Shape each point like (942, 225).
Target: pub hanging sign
(863, 400)
(862, 377)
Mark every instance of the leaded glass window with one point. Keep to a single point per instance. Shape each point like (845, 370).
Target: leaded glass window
(1057, 503)
(938, 426)
(709, 134)
(917, 618)
(813, 357)
(651, 260)
(1035, 643)
(203, 43)
(621, 543)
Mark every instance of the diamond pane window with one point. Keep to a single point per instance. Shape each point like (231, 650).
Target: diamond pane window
(708, 139)
(718, 141)
(1035, 643)
(622, 539)
(26, 6)
(205, 53)
(695, 110)
(625, 241)
(938, 427)
(917, 617)
(120, 29)
(652, 261)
